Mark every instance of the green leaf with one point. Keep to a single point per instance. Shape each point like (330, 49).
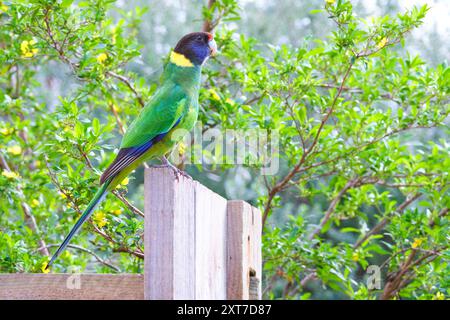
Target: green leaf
(96, 126)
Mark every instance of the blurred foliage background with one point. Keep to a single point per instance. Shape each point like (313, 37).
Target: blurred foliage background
(357, 90)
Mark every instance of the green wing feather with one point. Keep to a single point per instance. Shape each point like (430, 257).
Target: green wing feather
(158, 116)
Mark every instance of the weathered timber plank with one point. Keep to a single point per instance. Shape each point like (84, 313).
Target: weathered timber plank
(29, 286)
(244, 250)
(169, 235)
(210, 244)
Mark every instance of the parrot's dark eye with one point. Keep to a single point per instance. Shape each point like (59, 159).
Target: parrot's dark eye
(199, 38)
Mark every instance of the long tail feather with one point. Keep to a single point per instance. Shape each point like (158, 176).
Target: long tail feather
(98, 197)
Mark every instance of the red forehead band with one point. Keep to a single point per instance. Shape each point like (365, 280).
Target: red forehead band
(210, 36)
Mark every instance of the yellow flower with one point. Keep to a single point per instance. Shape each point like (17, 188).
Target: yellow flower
(35, 203)
(44, 266)
(214, 94)
(116, 108)
(10, 174)
(15, 150)
(125, 181)
(114, 34)
(417, 242)
(330, 2)
(229, 101)
(101, 58)
(3, 7)
(27, 48)
(355, 256)
(382, 43)
(181, 148)
(100, 219)
(117, 212)
(439, 296)
(6, 131)
(24, 46)
(63, 195)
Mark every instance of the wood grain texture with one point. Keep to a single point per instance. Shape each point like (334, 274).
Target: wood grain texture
(244, 251)
(185, 238)
(169, 262)
(210, 244)
(29, 286)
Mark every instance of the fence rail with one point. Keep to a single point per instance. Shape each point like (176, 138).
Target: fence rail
(198, 245)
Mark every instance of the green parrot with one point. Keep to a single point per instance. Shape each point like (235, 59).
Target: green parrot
(173, 106)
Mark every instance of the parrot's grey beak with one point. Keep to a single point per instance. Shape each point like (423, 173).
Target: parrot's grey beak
(213, 47)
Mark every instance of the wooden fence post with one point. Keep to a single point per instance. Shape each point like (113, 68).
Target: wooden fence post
(198, 245)
(244, 251)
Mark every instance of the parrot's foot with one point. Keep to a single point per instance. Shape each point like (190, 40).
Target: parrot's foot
(176, 171)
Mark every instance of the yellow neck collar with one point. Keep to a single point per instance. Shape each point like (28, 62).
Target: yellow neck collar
(180, 60)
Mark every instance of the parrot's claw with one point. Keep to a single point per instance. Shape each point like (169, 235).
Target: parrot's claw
(177, 172)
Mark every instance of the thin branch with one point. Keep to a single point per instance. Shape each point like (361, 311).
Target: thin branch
(380, 225)
(29, 217)
(386, 95)
(362, 146)
(114, 192)
(92, 253)
(399, 279)
(280, 185)
(118, 121)
(66, 194)
(127, 203)
(441, 214)
(59, 48)
(207, 24)
(129, 85)
(309, 277)
(120, 248)
(350, 184)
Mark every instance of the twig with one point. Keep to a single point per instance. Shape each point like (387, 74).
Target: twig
(207, 24)
(380, 225)
(139, 254)
(127, 203)
(350, 184)
(118, 121)
(280, 185)
(29, 217)
(117, 194)
(129, 85)
(399, 279)
(441, 214)
(100, 260)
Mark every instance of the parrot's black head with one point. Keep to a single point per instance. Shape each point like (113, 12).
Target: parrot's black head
(196, 47)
